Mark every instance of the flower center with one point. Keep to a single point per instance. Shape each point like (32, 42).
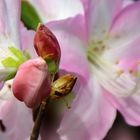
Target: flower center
(110, 75)
(95, 51)
(97, 47)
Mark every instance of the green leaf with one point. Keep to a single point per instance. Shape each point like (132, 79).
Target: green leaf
(12, 61)
(10, 76)
(18, 54)
(7, 73)
(27, 55)
(9, 62)
(29, 16)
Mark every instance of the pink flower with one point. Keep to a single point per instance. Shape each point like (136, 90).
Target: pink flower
(100, 93)
(15, 41)
(16, 45)
(56, 10)
(127, 2)
(102, 47)
(17, 120)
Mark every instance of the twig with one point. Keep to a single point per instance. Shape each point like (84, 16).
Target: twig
(40, 114)
(38, 120)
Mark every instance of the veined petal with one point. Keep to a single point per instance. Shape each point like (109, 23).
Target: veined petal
(16, 118)
(10, 20)
(128, 106)
(99, 15)
(88, 115)
(126, 55)
(11, 57)
(113, 80)
(27, 37)
(124, 30)
(71, 26)
(72, 40)
(6, 92)
(9, 38)
(55, 10)
(127, 2)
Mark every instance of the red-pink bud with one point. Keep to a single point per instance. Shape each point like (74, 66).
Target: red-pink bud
(47, 46)
(31, 83)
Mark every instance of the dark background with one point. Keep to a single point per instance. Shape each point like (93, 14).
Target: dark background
(122, 131)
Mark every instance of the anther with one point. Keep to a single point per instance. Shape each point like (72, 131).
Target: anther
(96, 49)
(135, 74)
(119, 72)
(131, 71)
(103, 47)
(117, 62)
(9, 86)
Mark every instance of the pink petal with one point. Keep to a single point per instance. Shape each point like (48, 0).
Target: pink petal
(127, 2)
(55, 10)
(31, 83)
(125, 37)
(10, 20)
(130, 56)
(129, 107)
(127, 56)
(74, 26)
(71, 37)
(16, 118)
(5, 91)
(99, 14)
(90, 117)
(125, 27)
(27, 37)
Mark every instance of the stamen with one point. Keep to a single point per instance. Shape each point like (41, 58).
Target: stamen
(136, 88)
(9, 86)
(121, 85)
(66, 103)
(96, 49)
(103, 47)
(138, 62)
(135, 74)
(120, 71)
(117, 62)
(131, 71)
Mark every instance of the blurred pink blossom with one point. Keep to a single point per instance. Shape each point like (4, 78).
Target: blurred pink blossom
(15, 117)
(98, 47)
(56, 10)
(103, 47)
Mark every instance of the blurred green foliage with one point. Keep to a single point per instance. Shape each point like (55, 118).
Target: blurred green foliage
(29, 16)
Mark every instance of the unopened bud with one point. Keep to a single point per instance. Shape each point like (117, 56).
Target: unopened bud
(47, 46)
(62, 86)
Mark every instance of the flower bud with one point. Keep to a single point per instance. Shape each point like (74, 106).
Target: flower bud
(47, 46)
(62, 86)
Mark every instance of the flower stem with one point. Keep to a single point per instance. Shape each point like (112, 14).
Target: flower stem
(38, 120)
(40, 114)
